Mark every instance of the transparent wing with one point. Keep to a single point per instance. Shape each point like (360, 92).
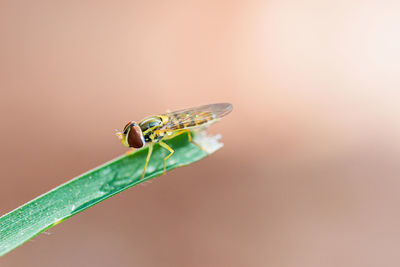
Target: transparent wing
(195, 117)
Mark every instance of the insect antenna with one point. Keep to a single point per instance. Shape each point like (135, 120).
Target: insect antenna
(118, 133)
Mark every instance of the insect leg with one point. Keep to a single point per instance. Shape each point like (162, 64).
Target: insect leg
(130, 152)
(190, 139)
(164, 145)
(189, 135)
(147, 159)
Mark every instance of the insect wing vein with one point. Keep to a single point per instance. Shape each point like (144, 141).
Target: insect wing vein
(198, 116)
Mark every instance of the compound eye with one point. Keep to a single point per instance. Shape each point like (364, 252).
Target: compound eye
(135, 137)
(128, 126)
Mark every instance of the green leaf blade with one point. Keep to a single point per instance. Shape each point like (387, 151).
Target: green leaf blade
(98, 184)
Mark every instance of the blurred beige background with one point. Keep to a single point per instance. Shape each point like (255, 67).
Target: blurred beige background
(309, 175)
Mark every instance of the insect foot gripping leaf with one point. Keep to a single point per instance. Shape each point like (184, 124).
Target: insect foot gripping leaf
(96, 185)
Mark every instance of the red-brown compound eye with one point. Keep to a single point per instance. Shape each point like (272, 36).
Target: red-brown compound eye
(135, 137)
(128, 126)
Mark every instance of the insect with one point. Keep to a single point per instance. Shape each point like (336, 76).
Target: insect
(156, 129)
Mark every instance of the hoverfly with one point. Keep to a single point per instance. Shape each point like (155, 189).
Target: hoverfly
(156, 129)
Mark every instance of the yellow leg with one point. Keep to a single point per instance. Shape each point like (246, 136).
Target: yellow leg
(178, 133)
(130, 151)
(164, 145)
(189, 135)
(190, 139)
(147, 159)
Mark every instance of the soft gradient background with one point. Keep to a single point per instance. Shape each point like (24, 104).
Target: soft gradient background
(309, 175)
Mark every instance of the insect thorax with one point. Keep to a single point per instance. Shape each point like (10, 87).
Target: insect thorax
(149, 127)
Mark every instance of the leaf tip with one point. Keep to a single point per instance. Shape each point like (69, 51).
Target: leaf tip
(209, 143)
